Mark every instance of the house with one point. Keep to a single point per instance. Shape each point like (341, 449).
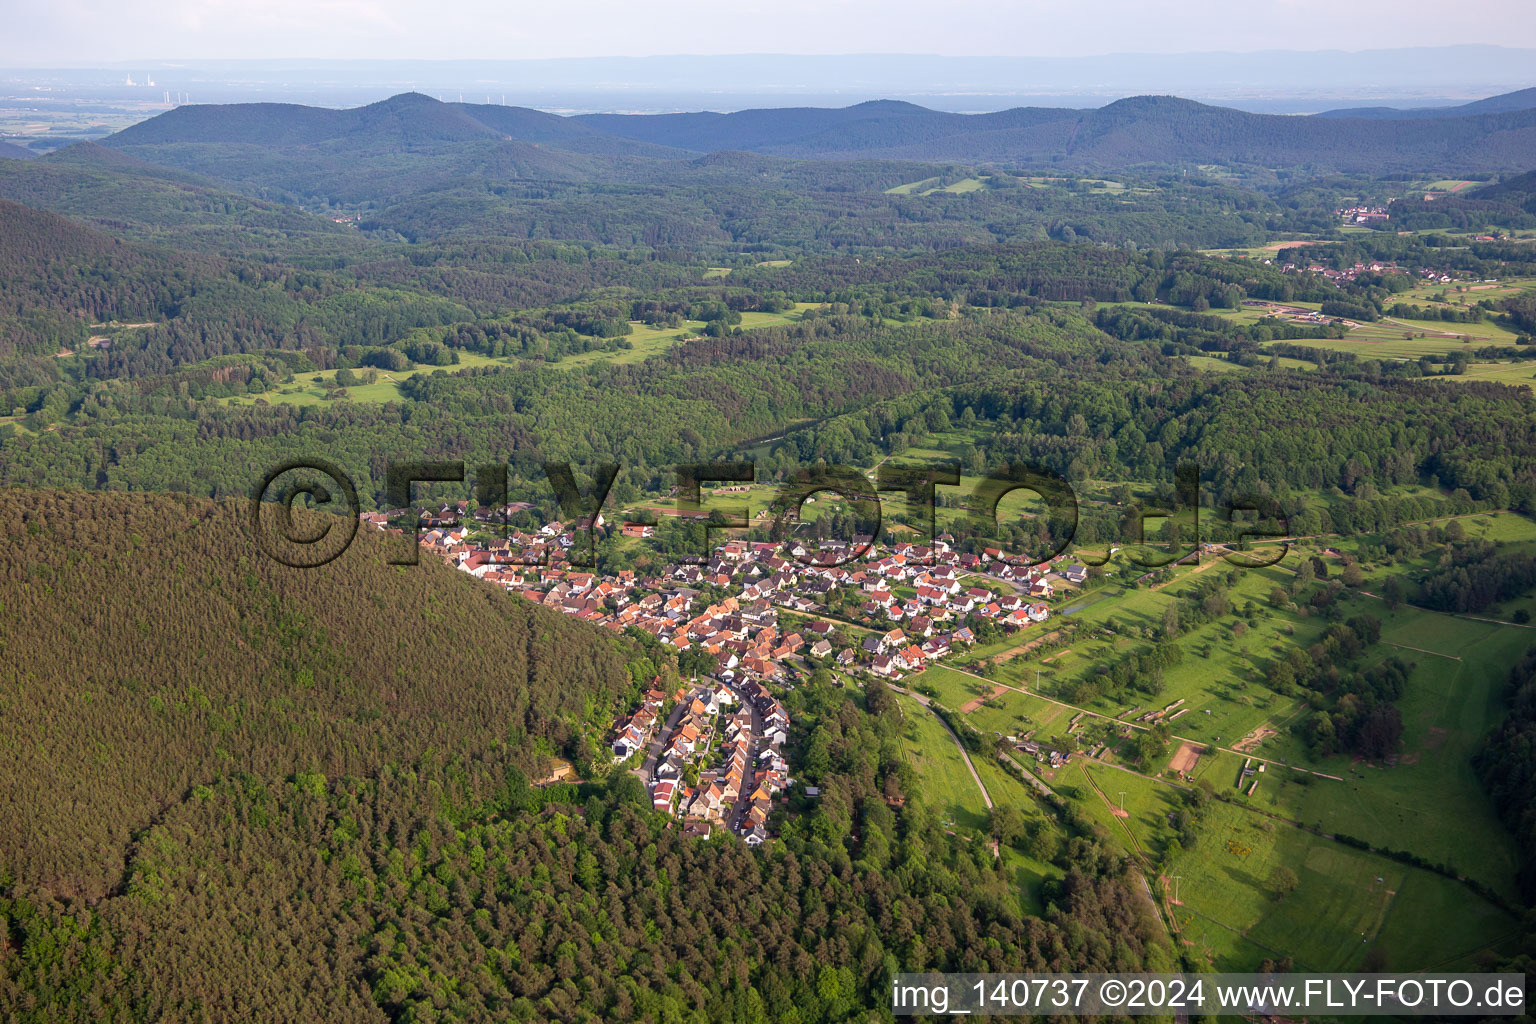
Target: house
(1074, 574)
(629, 741)
(821, 648)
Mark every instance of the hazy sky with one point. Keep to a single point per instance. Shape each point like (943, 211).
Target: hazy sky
(75, 32)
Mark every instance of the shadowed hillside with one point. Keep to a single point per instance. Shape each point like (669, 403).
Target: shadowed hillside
(151, 647)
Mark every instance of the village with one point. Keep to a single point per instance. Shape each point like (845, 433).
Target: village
(712, 753)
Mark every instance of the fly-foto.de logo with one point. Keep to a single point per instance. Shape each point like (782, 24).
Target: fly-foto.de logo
(312, 541)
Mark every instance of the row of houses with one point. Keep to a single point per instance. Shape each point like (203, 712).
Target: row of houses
(740, 756)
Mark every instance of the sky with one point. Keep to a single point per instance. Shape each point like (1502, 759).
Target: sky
(54, 33)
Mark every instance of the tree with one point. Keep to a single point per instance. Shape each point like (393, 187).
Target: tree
(1283, 882)
(1005, 824)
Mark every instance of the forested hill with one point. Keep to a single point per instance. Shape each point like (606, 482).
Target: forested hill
(34, 235)
(10, 151)
(1138, 130)
(409, 118)
(514, 142)
(1522, 99)
(150, 647)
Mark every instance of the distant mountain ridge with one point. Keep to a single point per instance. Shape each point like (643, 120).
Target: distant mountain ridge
(409, 119)
(1136, 130)
(389, 152)
(1522, 99)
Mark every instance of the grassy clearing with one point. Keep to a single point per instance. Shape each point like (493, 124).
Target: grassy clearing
(950, 688)
(1227, 879)
(309, 389)
(947, 784)
(928, 186)
(1377, 908)
(1430, 802)
(1518, 374)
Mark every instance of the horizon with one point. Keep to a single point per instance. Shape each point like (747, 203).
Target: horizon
(1276, 81)
(164, 60)
(392, 29)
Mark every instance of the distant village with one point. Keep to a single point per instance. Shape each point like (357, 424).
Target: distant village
(712, 753)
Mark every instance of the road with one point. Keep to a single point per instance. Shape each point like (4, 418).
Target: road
(1033, 779)
(646, 771)
(744, 798)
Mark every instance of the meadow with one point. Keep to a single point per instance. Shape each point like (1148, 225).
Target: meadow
(947, 784)
(1378, 910)
(1452, 698)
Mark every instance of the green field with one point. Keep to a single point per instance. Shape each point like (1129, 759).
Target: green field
(1452, 698)
(1405, 917)
(947, 784)
(307, 389)
(928, 186)
(1519, 374)
(1448, 708)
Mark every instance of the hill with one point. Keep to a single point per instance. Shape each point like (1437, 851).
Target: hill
(409, 119)
(55, 274)
(380, 153)
(31, 235)
(1143, 130)
(1521, 99)
(1520, 190)
(1506, 205)
(11, 151)
(151, 647)
(295, 152)
(150, 202)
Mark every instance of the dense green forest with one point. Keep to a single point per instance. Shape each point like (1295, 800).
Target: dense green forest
(188, 656)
